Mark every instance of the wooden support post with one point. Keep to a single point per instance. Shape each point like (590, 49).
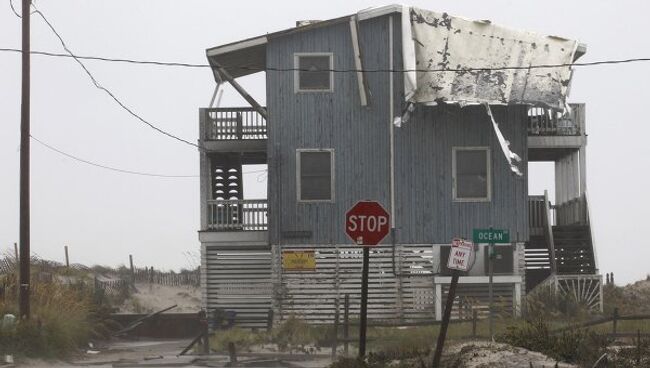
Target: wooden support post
(346, 323)
(17, 264)
(474, 320)
(269, 320)
(232, 352)
(223, 73)
(335, 334)
(363, 315)
(615, 321)
(442, 335)
(67, 260)
(638, 347)
(131, 263)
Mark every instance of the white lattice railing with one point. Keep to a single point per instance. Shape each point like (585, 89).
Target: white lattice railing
(234, 215)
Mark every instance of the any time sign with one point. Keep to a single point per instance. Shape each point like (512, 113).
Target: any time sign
(460, 255)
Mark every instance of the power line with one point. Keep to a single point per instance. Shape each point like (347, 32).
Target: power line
(459, 70)
(124, 171)
(336, 70)
(13, 9)
(99, 86)
(109, 59)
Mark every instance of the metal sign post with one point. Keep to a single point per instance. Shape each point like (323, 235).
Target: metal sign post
(363, 317)
(491, 289)
(367, 224)
(460, 259)
(491, 236)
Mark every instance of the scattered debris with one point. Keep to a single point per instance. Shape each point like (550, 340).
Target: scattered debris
(139, 321)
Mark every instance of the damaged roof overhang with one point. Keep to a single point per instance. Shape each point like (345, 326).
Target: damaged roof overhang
(249, 56)
(239, 58)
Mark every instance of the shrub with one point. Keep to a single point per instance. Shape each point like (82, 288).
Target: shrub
(243, 339)
(63, 318)
(294, 333)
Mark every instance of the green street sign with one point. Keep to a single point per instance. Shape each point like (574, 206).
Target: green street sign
(497, 236)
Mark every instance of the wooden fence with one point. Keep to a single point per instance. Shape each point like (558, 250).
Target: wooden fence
(615, 318)
(150, 275)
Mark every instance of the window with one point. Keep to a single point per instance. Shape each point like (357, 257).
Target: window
(313, 72)
(315, 177)
(471, 174)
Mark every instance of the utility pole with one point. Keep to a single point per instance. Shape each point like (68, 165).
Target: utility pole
(24, 166)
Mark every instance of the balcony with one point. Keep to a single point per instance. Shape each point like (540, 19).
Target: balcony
(552, 135)
(238, 215)
(547, 122)
(233, 129)
(236, 223)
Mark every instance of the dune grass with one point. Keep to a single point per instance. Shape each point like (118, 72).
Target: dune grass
(64, 317)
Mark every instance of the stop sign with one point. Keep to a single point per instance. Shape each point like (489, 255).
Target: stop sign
(366, 223)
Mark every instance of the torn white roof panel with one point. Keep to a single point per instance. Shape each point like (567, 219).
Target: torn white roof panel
(444, 42)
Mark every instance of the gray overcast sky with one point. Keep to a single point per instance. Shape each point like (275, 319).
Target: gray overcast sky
(105, 216)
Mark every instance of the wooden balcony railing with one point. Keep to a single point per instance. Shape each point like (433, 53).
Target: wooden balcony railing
(238, 215)
(234, 123)
(572, 212)
(548, 122)
(541, 223)
(536, 215)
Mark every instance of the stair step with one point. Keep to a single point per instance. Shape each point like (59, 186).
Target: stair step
(568, 234)
(578, 228)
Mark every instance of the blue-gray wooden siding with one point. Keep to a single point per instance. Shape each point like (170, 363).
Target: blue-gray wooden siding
(425, 212)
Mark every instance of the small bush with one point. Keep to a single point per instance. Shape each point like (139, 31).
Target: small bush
(243, 339)
(294, 333)
(401, 343)
(345, 362)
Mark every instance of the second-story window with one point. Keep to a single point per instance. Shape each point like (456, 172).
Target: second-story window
(471, 174)
(315, 176)
(313, 72)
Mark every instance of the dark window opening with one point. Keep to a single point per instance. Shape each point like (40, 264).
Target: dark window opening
(314, 72)
(472, 174)
(315, 176)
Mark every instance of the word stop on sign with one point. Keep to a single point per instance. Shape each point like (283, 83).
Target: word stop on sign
(367, 223)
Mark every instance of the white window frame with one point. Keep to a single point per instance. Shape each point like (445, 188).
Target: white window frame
(488, 171)
(332, 175)
(296, 73)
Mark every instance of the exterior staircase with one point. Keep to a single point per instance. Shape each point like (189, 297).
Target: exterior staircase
(560, 254)
(574, 253)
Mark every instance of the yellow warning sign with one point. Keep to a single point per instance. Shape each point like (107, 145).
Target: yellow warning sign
(298, 260)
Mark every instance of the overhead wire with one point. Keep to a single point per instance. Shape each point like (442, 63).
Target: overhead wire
(109, 59)
(124, 171)
(333, 70)
(13, 9)
(101, 87)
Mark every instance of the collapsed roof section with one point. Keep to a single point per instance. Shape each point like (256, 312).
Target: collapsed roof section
(466, 61)
(446, 59)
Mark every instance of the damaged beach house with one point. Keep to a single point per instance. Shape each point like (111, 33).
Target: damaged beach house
(435, 116)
